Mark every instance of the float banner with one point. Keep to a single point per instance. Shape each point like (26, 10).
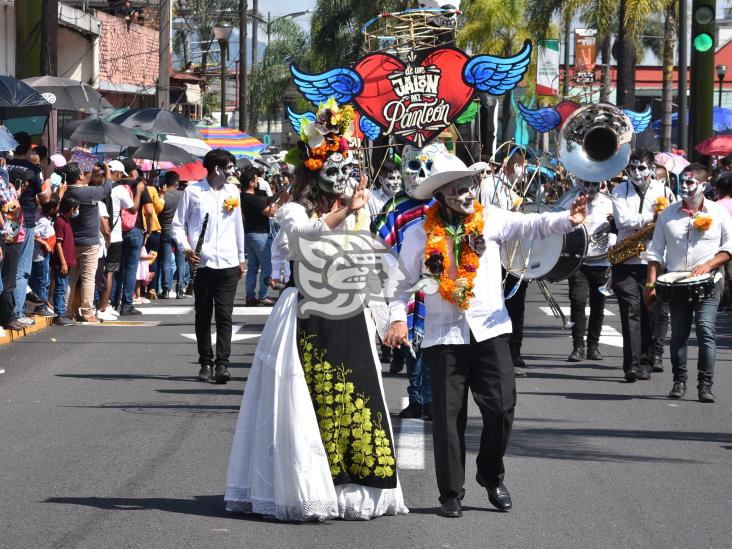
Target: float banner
(585, 50)
(547, 68)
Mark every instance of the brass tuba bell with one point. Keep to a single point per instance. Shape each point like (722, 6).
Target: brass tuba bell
(596, 141)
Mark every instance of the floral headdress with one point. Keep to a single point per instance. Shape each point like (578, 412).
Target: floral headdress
(327, 134)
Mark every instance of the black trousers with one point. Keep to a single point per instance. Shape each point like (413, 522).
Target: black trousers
(215, 290)
(660, 317)
(515, 307)
(487, 370)
(587, 280)
(11, 257)
(628, 284)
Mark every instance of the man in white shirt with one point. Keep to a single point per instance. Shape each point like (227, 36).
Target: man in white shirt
(390, 183)
(635, 205)
(591, 276)
(219, 257)
(466, 324)
(693, 235)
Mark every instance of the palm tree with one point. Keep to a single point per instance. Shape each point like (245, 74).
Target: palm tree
(667, 93)
(199, 18)
(498, 27)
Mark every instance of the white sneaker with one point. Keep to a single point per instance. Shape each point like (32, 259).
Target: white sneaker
(106, 314)
(140, 301)
(26, 321)
(111, 310)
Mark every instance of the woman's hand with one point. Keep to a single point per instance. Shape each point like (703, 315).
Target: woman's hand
(360, 196)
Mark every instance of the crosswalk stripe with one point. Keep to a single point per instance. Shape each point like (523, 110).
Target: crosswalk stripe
(566, 311)
(173, 310)
(252, 311)
(608, 336)
(411, 442)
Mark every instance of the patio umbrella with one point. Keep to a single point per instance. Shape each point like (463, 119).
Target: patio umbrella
(191, 172)
(719, 145)
(7, 141)
(158, 121)
(672, 162)
(159, 152)
(197, 147)
(69, 95)
(18, 100)
(98, 130)
(238, 143)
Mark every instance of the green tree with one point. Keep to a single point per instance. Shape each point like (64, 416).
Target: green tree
(270, 79)
(199, 18)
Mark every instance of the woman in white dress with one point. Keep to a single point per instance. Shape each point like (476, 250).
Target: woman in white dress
(313, 440)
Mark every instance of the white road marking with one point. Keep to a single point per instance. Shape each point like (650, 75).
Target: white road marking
(566, 311)
(165, 310)
(119, 324)
(411, 442)
(234, 335)
(252, 311)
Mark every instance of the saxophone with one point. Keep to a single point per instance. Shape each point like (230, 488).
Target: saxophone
(633, 246)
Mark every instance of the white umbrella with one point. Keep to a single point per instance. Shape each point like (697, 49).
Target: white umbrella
(197, 147)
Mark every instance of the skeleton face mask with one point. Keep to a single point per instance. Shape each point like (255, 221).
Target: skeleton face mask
(459, 195)
(640, 172)
(591, 189)
(691, 190)
(335, 174)
(391, 183)
(417, 164)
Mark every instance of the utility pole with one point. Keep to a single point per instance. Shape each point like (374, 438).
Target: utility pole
(567, 38)
(701, 100)
(683, 49)
(243, 106)
(49, 38)
(164, 55)
(255, 14)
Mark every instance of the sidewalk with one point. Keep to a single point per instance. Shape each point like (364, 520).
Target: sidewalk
(8, 336)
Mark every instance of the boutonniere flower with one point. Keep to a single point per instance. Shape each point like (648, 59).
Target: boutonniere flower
(702, 222)
(661, 203)
(231, 203)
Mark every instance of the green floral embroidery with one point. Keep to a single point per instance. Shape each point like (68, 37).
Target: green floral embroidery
(344, 418)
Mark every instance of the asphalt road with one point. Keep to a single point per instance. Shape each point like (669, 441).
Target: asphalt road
(107, 440)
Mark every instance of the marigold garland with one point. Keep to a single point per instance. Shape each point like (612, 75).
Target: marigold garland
(661, 203)
(702, 222)
(460, 290)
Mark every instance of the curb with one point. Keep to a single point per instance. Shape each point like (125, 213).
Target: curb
(8, 336)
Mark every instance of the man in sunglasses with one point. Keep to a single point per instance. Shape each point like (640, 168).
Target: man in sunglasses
(693, 235)
(635, 205)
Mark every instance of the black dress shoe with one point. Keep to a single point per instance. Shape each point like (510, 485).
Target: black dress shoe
(451, 508)
(578, 353)
(678, 390)
(204, 374)
(644, 374)
(518, 372)
(129, 310)
(593, 353)
(705, 394)
(497, 495)
(631, 376)
(427, 412)
(657, 364)
(412, 411)
(221, 374)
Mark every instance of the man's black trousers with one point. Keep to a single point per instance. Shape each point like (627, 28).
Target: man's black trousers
(215, 290)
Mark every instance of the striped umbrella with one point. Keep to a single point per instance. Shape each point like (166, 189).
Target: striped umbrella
(240, 144)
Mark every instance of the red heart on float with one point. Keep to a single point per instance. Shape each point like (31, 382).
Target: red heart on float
(423, 114)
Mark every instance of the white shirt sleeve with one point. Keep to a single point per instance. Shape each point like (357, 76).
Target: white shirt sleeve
(726, 240)
(626, 212)
(293, 219)
(403, 279)
(657, 249)
(520, 226)
(179, 222)
(239, 228)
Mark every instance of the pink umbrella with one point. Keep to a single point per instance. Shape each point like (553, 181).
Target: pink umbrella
(147, 165)
(672, 162)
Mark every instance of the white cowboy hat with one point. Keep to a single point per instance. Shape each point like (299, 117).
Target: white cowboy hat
(446, 168)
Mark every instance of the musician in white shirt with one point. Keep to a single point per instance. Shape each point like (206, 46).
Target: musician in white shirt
(220, 260)
(635, 205)
(591, 276)
(693, 235)
(465, 342)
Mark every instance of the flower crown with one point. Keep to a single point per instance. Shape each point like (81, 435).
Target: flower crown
(327, 134)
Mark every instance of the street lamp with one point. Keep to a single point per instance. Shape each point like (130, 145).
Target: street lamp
(222, 33)
(721, 72)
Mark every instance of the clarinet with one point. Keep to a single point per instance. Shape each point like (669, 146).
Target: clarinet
(199, 247)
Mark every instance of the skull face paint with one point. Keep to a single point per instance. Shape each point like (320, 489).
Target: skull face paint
(591, 189)
(459, 195)
(640, 172)
(417, 164)
(391, 182)
(335, 174)
(691, 190)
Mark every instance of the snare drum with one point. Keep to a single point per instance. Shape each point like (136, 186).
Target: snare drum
(681, 286)
(554, 258)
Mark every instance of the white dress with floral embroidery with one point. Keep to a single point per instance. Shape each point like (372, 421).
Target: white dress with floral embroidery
(279, 466)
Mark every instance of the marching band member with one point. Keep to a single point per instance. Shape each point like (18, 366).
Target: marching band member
(456, 248)
(390, 183)
(693, 235)
(591, 276)
(635, 204)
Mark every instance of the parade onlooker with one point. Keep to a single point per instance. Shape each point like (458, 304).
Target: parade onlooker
(32, 188)
(64, 257)
(166, 259)
(45, 236)
(11, 235)
(258, 238)
(723, 189)
(86, 234)
(153, 231)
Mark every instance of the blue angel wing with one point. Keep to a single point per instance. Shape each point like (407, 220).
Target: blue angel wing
(296, 119)
(341, 84)
(369, 128)
(542, 120)
(640, 120)
(497, 75)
